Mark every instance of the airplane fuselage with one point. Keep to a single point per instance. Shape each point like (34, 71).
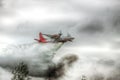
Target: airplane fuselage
(65, 40)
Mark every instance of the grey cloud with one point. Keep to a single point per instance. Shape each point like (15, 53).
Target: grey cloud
(115, 75)
(97, 76)
(1, 4)
(107, 62)
(92, 27)
(117, 21)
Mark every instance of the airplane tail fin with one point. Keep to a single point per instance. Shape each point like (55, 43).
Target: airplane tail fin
(42, 39)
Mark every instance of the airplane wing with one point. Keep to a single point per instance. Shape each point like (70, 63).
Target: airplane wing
(42, 39)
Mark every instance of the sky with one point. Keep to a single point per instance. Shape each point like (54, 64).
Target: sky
(95, 24)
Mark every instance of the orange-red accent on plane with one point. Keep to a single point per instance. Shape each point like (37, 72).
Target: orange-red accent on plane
(41, 38)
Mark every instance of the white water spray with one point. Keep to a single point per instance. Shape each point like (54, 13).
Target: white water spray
(38, 56)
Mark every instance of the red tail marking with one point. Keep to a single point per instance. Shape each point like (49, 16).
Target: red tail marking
(42, 39)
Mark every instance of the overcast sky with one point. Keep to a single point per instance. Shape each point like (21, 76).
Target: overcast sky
(25, 19)
(95, 24)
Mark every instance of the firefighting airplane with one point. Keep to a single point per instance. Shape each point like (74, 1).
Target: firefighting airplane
(56, 37)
